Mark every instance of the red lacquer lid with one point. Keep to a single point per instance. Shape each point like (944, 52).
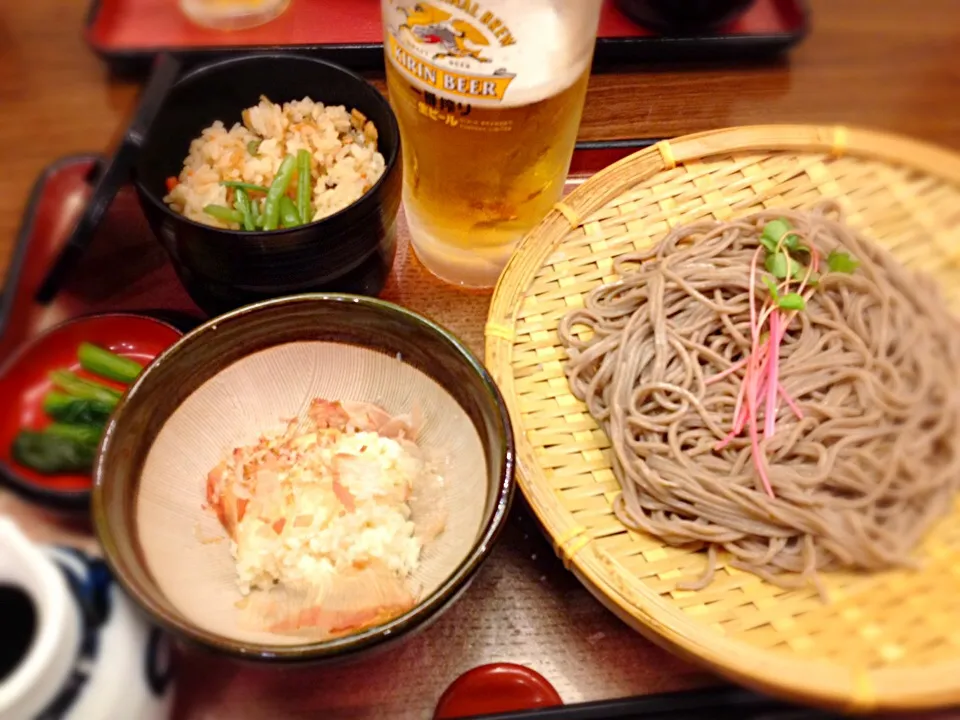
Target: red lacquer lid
(498, 687)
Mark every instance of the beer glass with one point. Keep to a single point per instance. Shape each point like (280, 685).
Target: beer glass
(488, 94)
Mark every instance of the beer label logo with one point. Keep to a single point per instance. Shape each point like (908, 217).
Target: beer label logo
(443, 51)
(432, 26)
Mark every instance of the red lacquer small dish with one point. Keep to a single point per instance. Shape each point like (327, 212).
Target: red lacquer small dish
(24, 383)
(496, 688)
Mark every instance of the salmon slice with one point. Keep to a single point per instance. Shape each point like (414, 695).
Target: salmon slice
(328, 414)
(231, 510)
(405, 426)
(349, 603)
(366, 417)
(216, 479)
(344, 496)
(222, 499)
(428, 507)
(397, 427)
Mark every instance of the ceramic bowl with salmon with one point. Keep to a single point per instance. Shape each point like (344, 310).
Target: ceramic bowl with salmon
(304, 478)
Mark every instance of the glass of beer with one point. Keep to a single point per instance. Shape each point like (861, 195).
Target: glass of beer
(489, 95)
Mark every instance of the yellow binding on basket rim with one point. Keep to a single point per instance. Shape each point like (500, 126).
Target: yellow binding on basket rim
(666, 152)
(569, 213)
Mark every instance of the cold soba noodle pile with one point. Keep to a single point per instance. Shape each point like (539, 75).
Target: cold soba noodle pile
(777, 387)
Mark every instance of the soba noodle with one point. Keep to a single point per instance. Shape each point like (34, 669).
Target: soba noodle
(873, 363)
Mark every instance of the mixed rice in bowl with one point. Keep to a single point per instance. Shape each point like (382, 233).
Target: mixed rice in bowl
(251, 177)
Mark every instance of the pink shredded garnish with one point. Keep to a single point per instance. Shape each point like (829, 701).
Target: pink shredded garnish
(761, 384)
(723, 373)
(770, 412)
(790, 402)
(760, 377)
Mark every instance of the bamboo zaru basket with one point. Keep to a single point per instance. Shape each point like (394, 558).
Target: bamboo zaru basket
(884, 641)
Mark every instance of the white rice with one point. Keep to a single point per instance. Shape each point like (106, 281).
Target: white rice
(343, 150)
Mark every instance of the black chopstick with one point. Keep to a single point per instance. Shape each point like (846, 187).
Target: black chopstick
(713, 703)
(112, 178)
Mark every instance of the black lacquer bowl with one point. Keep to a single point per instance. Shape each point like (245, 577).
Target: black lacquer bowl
(350, 251)
(683, 17)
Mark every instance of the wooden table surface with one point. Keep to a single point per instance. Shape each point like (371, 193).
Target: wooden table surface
(890, 65)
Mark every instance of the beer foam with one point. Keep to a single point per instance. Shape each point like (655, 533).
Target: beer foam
(555, 40)
(547, 45)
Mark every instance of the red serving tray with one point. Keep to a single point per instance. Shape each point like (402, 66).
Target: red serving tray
(140, 278)
(127, 33)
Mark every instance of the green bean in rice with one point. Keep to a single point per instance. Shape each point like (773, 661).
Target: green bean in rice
(342, 145)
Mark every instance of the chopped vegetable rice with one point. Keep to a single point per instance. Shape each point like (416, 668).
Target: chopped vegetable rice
(336, 146)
